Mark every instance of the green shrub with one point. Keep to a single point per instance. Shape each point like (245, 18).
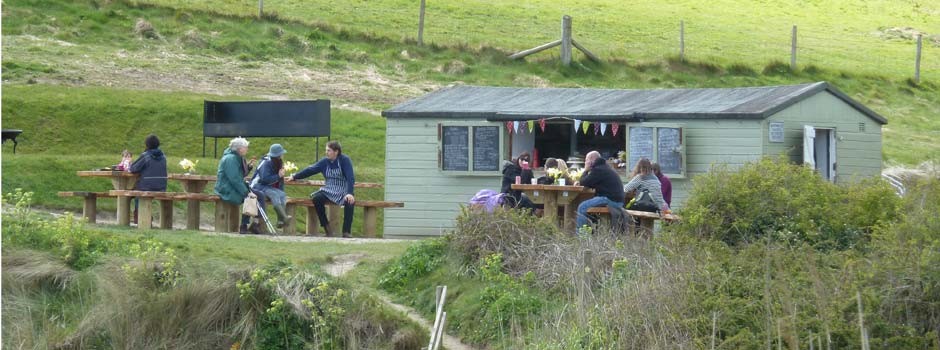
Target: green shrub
(505, 301)
(773, 199)
(418, 261)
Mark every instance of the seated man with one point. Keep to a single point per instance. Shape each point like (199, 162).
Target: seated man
(606, 183)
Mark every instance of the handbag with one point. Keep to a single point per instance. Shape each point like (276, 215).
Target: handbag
(250, 206)
(643, 202)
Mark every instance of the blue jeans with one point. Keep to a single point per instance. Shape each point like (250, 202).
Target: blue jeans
(599, 201)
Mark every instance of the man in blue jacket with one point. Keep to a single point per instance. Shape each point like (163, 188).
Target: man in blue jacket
(151, 166)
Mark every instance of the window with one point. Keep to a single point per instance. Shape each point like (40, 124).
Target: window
(469, 149)
(560, 141)
(660, 143)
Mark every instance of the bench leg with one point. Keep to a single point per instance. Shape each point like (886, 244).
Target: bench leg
(144, 214)
(646, 227)
(370, 217)
(192, 214)
(335, 222)
(90, 211)
(166, 214)
(124, 211)
(222, 213)
(235, 217)
(313, 222)
(290, 226)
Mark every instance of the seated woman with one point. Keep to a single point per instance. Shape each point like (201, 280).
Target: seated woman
(151, 166)
(230, 182)
(552, 163)
(644, 179)
(337, 168)
(268, 183)
(518, 167)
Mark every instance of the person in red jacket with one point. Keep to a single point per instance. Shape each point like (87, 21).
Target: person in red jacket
(665, 184)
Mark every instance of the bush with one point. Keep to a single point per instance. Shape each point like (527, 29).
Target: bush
(776, 200)
(418, 261)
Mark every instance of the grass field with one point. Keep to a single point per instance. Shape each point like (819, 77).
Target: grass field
(840, 34)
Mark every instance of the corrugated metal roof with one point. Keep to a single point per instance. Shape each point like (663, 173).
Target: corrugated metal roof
(509, 103)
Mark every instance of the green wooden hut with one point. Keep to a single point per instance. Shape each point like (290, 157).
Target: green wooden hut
(443, 147)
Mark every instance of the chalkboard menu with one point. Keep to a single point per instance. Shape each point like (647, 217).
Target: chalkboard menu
(668, 142)
(485, 148)
(641, 144)
(456, 145)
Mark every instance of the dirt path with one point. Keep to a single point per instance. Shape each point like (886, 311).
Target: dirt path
(345, 263)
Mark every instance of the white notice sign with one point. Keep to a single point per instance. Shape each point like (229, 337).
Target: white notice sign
(776, 132)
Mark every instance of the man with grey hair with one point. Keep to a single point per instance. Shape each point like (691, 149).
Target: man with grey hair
(230, 182)
(608, 188)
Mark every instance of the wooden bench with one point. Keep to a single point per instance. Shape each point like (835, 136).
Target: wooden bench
(647, 219)
(369, 214)
(90, 209)
(227, 215)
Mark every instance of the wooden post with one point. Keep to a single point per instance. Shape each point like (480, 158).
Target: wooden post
(166, 214)
(421, 25)
(290, 226)
(334, 217)
(793, 50)
(917, 59)
(566, 40)
(234, 219)
(779, 336)
(145, 213)
(369, 219)
(124, 211)
(440, 331)
(861, 322)
(714, 327)
(682, 41)
(260, 8)
(535, 49)
(192, 214)
(221, 216)
(313, 222)
(437, 317)
(90, 211)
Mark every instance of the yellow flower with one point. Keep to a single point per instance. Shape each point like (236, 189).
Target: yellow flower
(290, 167)
(188, 165)
(575, 175)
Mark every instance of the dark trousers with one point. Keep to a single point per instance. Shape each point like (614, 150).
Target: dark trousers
(319, 203)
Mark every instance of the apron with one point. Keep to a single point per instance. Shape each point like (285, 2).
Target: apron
(335, 188)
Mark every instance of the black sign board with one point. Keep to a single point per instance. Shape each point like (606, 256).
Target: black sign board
(669, 142)
(486, 148)
(456, 144)
(267, 118)
(641, 144)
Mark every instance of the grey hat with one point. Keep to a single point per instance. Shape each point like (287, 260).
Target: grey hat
(276, 150)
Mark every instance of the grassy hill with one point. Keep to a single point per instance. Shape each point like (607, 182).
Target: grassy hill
(196, 53)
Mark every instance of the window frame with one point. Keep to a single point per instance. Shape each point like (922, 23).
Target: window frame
(683, 145)
(470, 126)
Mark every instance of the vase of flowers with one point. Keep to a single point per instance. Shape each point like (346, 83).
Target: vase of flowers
(575, 174)
(188, 166)
(290, 168)
(554, 174)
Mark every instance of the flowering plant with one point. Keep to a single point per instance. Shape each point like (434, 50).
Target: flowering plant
(188, 165)
(553, 173)
(575, 174)
(290, 167)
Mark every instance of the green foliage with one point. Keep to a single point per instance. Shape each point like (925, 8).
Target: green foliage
(156, 264)
(505, 301)
(776, 200)
(417, 262)
(478, 235)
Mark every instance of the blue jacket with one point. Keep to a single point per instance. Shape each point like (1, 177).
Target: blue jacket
(266, 177)
(342, 162)
(151, 165)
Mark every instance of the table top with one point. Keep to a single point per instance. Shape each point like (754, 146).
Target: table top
(317, 183)
(528, 187)
(105, 173)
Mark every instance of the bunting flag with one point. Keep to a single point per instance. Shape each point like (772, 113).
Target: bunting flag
(542, 124)
(584, 126)
(531, 126)
(614, 127)
(509, 127)
(603, 128)
(515, 126)
(577, 125)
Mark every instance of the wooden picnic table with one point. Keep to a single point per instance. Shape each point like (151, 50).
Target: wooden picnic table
(555, 196)
(120, 180)
(197, 183)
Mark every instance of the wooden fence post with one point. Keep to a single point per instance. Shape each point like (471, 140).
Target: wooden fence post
(260, 8)
(682, 41)
(793, 50)
(421, 24)
(917, 59)
(861, 322)
(566, 40)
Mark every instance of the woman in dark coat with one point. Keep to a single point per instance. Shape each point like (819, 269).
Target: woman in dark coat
(518, 167)
(337, 168)
(151, 166)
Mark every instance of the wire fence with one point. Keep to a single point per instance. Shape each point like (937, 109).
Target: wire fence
(527, 24)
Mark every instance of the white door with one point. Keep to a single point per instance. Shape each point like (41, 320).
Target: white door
(819, 150)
